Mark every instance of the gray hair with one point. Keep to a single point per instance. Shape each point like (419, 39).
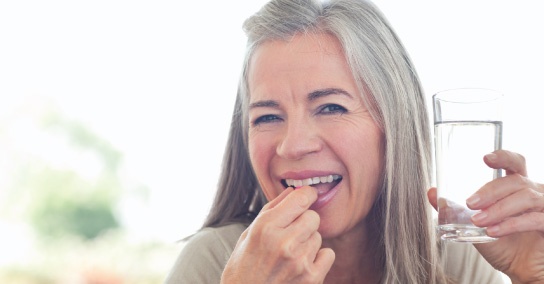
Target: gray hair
(389, 85)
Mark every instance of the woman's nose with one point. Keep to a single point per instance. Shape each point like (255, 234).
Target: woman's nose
(299, 139)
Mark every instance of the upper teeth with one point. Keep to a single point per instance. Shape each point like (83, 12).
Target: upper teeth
(311, 181)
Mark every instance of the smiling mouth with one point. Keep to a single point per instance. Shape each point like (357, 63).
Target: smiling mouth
(335, 179)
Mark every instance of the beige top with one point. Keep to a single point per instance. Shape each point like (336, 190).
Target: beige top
(204, 256)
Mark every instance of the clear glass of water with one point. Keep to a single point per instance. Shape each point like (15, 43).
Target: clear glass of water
(467, 126)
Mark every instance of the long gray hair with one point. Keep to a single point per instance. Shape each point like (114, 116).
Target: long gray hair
(387, 81)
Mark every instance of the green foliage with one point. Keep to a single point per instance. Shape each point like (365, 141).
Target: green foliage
(82, 137)
(67, 204)
(60, 200)
(76, 236)
(19, 275)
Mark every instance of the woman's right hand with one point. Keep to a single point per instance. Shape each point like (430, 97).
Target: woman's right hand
(282, 244)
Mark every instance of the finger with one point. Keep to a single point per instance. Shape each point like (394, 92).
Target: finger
(307, 250)
(293, 205)
(291, 249)
(526, 200)
(432, 196)
(509, 161)
(272, 203)
(498, 189)
(323, 263)
(305, 225)
(532, 221)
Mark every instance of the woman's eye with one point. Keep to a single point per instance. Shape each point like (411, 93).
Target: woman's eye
(332, 109)
(266, 119)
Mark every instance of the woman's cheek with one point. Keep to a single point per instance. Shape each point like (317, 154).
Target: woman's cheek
(255, 148)
(260, 154)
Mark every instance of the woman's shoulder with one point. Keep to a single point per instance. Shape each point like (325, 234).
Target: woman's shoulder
(226, 235)
(205, 254)
(213, 243)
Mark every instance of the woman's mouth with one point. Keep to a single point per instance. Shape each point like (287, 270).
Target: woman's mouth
(323, 183)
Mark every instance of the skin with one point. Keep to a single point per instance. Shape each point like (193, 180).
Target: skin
(512, 210)
(307, 119)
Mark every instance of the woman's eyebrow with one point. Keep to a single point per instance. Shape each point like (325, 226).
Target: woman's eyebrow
(311, 97)
(266, 103)
(326, 92)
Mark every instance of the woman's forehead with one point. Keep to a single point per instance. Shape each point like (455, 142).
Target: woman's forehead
(311, 53)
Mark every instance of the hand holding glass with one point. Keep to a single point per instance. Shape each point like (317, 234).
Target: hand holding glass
(467, 125)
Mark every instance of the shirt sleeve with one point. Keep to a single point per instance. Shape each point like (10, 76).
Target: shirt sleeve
(464, 264)
(204, 256)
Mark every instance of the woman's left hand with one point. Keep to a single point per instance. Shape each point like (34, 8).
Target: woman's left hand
(512, 209)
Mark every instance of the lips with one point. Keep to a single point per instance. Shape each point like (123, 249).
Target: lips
(325, 193)
(325, 184)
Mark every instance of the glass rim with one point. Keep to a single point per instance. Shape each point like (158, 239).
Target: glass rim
(468, 95)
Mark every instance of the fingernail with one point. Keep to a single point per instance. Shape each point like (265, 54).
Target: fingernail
(493, 230)
(473, 200)
(492, 157)
(479, 216)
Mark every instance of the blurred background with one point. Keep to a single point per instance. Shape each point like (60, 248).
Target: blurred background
(114, 116)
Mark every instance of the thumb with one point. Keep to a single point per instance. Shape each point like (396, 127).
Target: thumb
(431, 195)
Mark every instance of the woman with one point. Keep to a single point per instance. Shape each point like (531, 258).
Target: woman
(328, 162)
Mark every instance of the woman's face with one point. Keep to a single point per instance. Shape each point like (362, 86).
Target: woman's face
(309, 123)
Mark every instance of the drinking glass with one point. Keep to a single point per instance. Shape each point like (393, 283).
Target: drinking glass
(467, 126)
